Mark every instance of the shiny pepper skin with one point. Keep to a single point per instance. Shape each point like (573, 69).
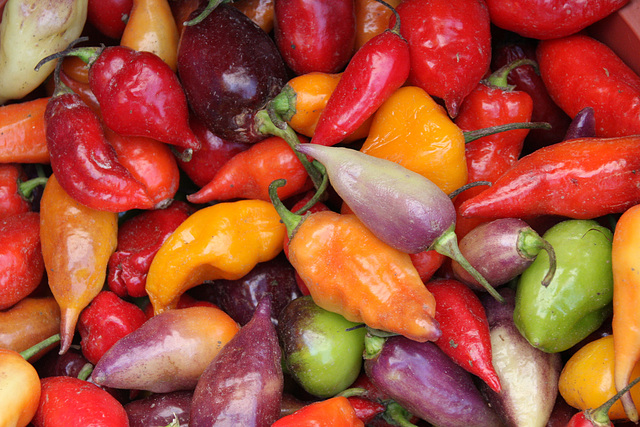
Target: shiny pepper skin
(223, 241)
(19, 390)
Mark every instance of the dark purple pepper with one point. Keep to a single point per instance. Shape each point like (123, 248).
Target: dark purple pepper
(229, 68)
(243, 385)
(402, 208)
(501, 250)
(583, 125)
(160, 409)
(427, 383)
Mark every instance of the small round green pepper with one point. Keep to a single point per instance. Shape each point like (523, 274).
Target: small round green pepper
(578, 299)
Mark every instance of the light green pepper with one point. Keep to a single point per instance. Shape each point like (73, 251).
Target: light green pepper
(578, 299)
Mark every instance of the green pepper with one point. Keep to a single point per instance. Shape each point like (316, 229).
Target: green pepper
(578, 299)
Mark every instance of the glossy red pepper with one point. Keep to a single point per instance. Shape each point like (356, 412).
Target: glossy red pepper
(248, 174)
(549, 19)
(14, 190)
(21, 263)
(366, 409)
(491, 103)
(107, 319)
(378, 68)
(581, 72)
(579, 178)
(450, 46)
(465, 329)
(139, 239)
(109, 17)
(527, 79)
(335, 411)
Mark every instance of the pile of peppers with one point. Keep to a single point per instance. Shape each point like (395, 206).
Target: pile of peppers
(317, 213)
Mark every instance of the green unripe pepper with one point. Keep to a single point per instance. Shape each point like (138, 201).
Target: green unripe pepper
(578, 299)
(322, 351)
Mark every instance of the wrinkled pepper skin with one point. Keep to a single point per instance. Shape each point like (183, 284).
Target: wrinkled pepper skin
(19, 389)
(76, 245)
(223, 241)
(579, 297)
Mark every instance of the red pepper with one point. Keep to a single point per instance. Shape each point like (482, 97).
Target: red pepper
(450, 46)
(139, 239)
(465, 329)
(248, 174)
(427, 263)
(21, 263)
(110, 16)
(85, 163)
(581, 72)
(527, 79)
(376, 70)
(332, 412)
(107, 319)
(366, 409)
(13, 187)
(546, 19)
(493, 102)
(579, 178)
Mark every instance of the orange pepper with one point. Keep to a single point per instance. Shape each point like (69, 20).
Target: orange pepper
(223, 241)
(152, 28)
(22, 132)
(626, 300)
(19, 389)
(333, 412)
(411, 129)
(372, 18)
(77, 242)
(586, 381)
(307, 95)
(259, 11)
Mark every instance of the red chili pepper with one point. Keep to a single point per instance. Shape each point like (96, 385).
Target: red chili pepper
(366, 409)
(527, 79)
(109, 17)
(21, 263)
(139, 239)
(544, 19)
(579, 178)
(14, 190)
(465, 329)
(493, 102)
(376, 70)
(107, 319)
(427, 263)
(450, 46)
(581, 72)
(335, 412)
(248, 174)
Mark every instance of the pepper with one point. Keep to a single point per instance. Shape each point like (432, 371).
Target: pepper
(580, 72)
(335, 411)
(248, 174)
(450, 46)
(19, 389)
(259, 11)
(31, 30)
(372, 18)
(349, 271)
(411, 129)
(375, 71)
(152, 28)
(223, 241)
(365, 409)
(21, 264)
(626, 335)
(22, 132)
(579, 297)
(580, 178)
(465, 329)
(139, 239)
(109, 17)
(15, 190)
(77, 242)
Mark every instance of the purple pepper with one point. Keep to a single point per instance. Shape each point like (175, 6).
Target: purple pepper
(583, 125)
(426, 382)
(243, 385)
(401, 207)
(160, 409)
(501, 250)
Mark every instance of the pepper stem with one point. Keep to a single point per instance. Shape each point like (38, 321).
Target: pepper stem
(35, 349)
(447, 245)
(530, 244)
(499, 77)
(284, 103)
(465, 187)
(207, 10)
(87, 54)
(397, 415)
(25, 189)
(472, 135)
(289, 219)
(396, 25)
(85, 371)
(372, 345)
(600, 415)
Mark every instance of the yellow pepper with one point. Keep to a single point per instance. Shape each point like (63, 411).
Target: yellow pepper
(223, 241)
(586, 381)
(411, 129)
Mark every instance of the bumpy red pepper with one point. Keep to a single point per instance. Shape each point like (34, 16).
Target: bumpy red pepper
(107, 319)
(465, 329)
(139, 239)
(580, 178)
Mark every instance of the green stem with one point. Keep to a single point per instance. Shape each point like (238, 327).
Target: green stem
(396, 25)
(289, 219)
(530, 244)
(372, 346)
(31, 351)
(284, 103)
(499, 77)
(397, 415)
(85, 371)
(472, 135)
(447, 245)
(351, 392)
(600, 415)
(26, 187)
(207, 10)
(465, 187)
(87, 54)
(319, 192)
